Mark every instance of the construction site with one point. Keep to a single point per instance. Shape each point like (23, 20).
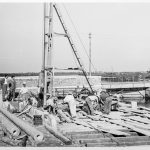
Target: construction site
(70, 111)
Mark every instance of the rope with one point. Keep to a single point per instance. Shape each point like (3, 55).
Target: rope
(79, 38)
(78, 35)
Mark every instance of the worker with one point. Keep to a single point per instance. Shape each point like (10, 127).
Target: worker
(85, 90)
(41, 79)
(4, 87)
(106, 101)
(24, 96)
(14, 87)
(116, 100)
(24, 92)
(8, 96)
(6, 103)
(40, 97)
(70, 100)
(118, 96)
(91, 104)
(24, 89)
(12, 84)
(51, 104)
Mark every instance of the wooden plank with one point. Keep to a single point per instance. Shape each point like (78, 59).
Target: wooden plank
(111, 131)
(89, 116)
(81, 133)
(119, 139)
(122, 141)
(142, 120)
(138, 125)
(95, 135)
(137, 111)
(109, 125)
(144, 108)
(114, 144)
(100, 145)
(137, 114)
(145, 132)
(100, 129)
(87, 136)
(147, 115)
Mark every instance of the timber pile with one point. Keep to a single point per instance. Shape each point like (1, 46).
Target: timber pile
(126, 127)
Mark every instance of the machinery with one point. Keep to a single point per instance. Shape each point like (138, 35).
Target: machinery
(47, 66)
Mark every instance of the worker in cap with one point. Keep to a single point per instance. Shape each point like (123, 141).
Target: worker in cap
(23, 96)
(24, 89)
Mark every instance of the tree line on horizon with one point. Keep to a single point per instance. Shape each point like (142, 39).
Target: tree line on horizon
(106, 76)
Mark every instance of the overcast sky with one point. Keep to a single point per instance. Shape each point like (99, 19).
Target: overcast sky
(120, 36)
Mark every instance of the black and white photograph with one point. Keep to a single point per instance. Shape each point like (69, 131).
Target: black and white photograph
(75, 74)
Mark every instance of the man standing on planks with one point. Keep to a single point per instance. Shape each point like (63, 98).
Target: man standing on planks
(4, 87)
(13, 87)
(106, 100)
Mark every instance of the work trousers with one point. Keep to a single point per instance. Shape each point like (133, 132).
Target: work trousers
(4, 91)
(88, 107)
(13, 94)
(107, 105)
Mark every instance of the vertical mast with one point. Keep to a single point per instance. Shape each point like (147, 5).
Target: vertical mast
(48, 46)
(44, 54)
(50, 37)
(43, 39)
(90, 54)
(50, 50)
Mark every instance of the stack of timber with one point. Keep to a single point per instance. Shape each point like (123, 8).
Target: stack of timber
(125, 127)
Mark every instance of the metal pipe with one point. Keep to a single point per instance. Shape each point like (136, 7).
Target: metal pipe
(43, 39)
(50, 48)
(34, 133)
(90, 54)
(44, 57)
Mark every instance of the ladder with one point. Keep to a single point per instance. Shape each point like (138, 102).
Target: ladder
(48, 47)
(72, 45)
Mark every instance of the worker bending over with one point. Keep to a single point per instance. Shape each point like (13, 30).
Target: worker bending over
(91, 104)
(106, 101)
(70, 100)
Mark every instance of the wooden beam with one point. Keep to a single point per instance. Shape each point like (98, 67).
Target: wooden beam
(142, 120)
(145, 132)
